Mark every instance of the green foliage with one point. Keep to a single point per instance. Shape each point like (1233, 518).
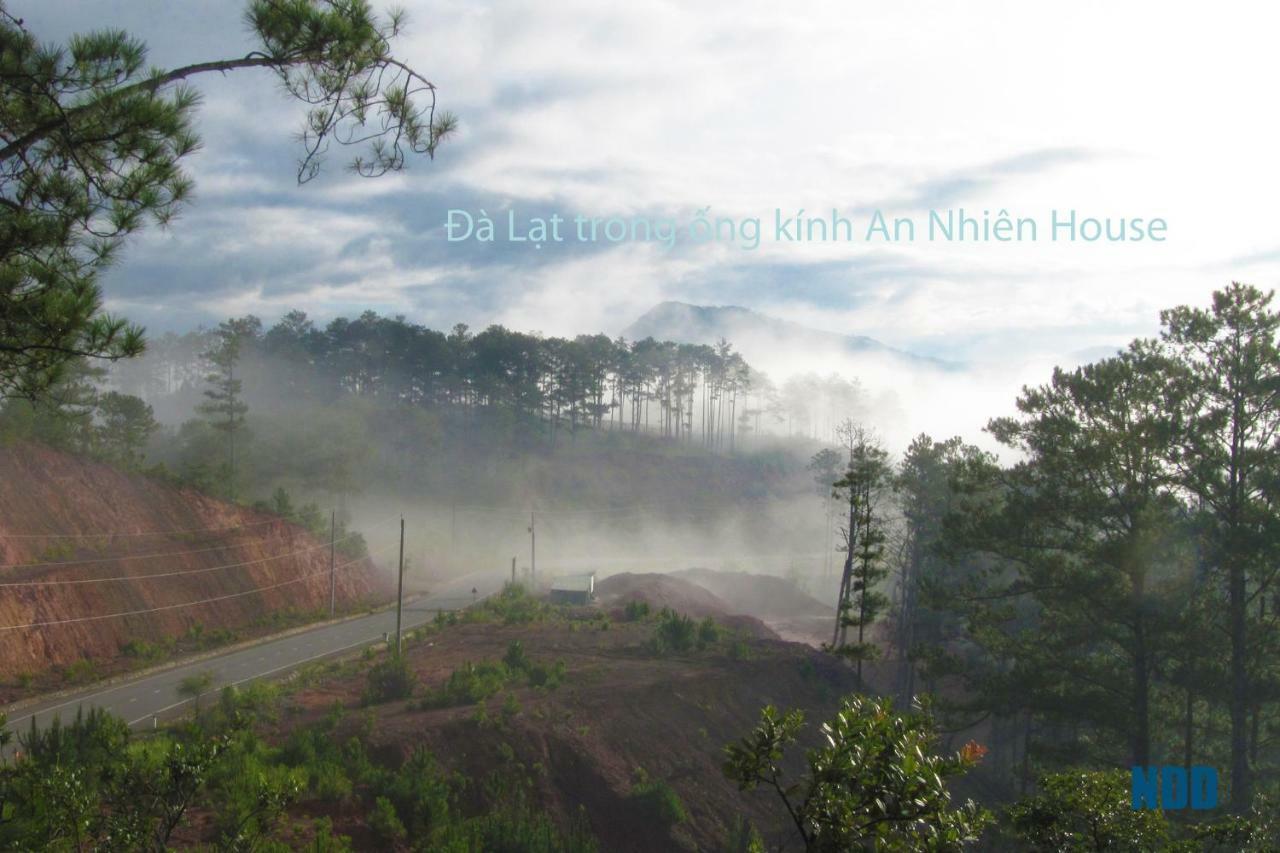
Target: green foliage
(87, 785)
(224, 403)
(472, 683)
(389, 680)
(512, 606)
(475, 682)
(743, 838)
(515, 658)
(636, 610)
(861, 491)
(657, 800)
(195, 686)
(1084, 810)
(385, 823)
(875, 782)
(673, 632)
(80, 671)
(146, 651)
(84, 785)
(95, 142)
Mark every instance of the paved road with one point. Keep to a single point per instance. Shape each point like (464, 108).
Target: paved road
(138, 700)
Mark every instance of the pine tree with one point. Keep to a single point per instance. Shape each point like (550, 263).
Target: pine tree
(861, 490)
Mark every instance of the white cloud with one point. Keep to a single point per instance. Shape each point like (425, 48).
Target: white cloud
(1138, 109)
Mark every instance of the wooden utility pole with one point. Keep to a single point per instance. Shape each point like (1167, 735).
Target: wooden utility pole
(513, 571)
(533, 551)
(333, 578)
(400, 589)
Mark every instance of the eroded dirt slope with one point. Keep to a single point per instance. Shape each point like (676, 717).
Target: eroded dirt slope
(63, 518)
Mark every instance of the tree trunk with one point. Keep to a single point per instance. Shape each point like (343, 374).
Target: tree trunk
(1141, 738)
(1240, 795)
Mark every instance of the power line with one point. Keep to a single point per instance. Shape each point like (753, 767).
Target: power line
(178, 606)
(149, 556)
(128, 534)
(76, 581)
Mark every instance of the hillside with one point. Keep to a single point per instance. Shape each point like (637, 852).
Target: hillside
(619, 714)
(81, 540)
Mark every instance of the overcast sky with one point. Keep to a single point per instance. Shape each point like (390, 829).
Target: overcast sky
(1121, 110)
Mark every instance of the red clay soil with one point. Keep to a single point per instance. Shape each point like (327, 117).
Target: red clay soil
(618, 709)
(689, 598)
(53, 494)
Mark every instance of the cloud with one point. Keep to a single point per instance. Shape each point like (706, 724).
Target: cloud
(666, 108)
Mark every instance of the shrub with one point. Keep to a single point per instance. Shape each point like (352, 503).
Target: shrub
(658, 800)
(708, 632)
(636, 610)
(389, 680)
(1080, 804)
(385, 823)
(548, 677)
(512, 606)
(675, 632)
(466, 686)
(81, 670)
(145, 651)
(743, 838)
(515, 658)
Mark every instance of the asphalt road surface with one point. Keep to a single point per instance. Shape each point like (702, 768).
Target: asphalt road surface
(140, 699)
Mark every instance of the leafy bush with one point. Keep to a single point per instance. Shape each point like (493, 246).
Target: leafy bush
(1080, 804)
(473, 683)
(515, 658)
(517, 829)
(708, 632)
(512, 606)
(658, 800)
(389, 680)
(674, 632)
(636, 610)
(548, 677)
(145, 651)
(421, 793)
(743, 838)
(385, 823)
(873, 784)
(80, 671)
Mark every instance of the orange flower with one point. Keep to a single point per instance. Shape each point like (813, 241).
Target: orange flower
(973, 752)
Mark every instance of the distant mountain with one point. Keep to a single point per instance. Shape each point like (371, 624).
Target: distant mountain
(747, 329)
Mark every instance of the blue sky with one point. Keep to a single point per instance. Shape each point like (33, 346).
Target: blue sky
(1120, 110)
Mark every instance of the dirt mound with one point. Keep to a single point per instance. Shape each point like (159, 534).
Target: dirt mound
(767, 596)
(63, 518)
(788, 610)
(683, 596)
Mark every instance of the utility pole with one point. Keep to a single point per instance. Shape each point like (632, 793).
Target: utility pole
(400, 588)
(333, 579)
(513, 571)
(533, 551)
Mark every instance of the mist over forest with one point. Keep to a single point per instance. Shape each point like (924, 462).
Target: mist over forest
(966, 545)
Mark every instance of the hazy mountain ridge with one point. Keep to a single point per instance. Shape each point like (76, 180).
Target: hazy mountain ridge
(705, 324)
